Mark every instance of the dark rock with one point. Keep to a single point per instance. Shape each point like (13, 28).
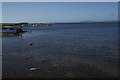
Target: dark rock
(55, 66)
(49, 71)
(30, 43)
(19, 31)
(43, 60)
(28, 57)
(33, 69)
(69, 75)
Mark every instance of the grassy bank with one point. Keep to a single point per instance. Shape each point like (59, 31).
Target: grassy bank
(9, 24)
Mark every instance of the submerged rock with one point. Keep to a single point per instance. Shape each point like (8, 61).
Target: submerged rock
(69, 75)
(43, 60)
(30, 75)
(55, 66)
(29, 31)
(28, 57)
(49, 71)
(30, 43)
(33, 69)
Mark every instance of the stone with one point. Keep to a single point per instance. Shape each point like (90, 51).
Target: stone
(30, 43)
(49, 71)
(43, 60)
(30, 75)
(69, 75)
(19, 30)
(55, 66)
(32, 69)
(28, 57)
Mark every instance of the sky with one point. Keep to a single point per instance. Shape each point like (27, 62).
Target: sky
(46, 12)
(60, 0)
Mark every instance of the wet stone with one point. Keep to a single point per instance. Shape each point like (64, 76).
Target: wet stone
(69, 75)
(30, 43)
(43, 60)
(30, 75)
(55, 66)
(28, 57)
(49, 71)
(32, 69)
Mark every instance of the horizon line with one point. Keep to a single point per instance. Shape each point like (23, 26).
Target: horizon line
(66, 22)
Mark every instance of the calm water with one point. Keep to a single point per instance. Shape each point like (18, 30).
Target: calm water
(69, 50)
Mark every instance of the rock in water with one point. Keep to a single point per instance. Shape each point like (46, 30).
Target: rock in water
(55, 66)
(32, 69)
(28, 57)
(69, 75)
(30, 43)
(43, 60)
(19, 31)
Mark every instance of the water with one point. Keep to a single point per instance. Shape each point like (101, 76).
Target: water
(77, 50)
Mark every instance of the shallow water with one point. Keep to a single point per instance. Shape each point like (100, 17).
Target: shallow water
(77, 50)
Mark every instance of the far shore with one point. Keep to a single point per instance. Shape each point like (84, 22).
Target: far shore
(48, 24)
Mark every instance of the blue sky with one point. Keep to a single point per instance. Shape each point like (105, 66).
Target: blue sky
(59, 11)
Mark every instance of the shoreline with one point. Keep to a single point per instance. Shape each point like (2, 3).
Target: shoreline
(49, 24)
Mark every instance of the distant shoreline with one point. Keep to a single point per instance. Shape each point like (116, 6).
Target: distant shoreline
(88, 22)
(48, 24)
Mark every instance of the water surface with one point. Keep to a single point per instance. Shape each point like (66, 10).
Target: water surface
(77, 50)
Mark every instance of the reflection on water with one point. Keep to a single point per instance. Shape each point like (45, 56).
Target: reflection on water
(11, 35)
(62, 50)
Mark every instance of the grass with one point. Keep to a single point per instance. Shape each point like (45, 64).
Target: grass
(9, 24)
